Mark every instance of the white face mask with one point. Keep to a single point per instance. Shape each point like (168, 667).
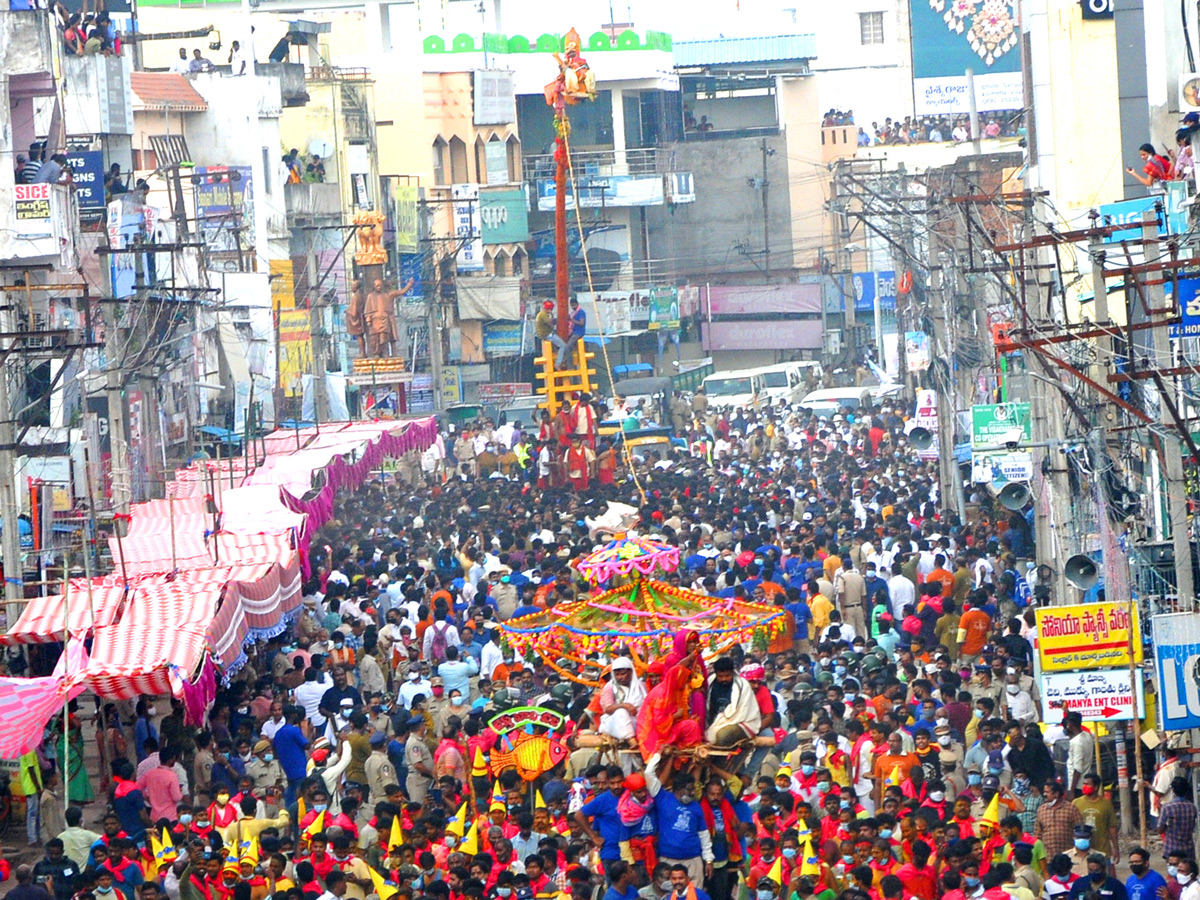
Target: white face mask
(937, 796)
(1012, 688)
(944, 740)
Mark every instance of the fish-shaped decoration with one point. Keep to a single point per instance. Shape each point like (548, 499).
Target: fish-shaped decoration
(531, 756)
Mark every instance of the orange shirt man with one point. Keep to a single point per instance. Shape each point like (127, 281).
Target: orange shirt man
(887, 763)
(975, 625)
(941, 574)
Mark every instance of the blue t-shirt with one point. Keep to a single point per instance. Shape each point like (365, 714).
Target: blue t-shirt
(679, 826)
(802, 614)
(579, 322)
(613, 894)
(289, 749)
(607, 822)
(876, 584)
(129, 810)
(1146, 887)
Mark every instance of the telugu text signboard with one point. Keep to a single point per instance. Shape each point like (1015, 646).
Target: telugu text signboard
(1086, 636)
(31, 203)
(948, 41)
(1100, 695)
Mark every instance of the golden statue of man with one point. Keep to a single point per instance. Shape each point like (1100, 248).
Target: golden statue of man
(380, 316)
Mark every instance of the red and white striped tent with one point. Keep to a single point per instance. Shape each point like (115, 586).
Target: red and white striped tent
(193, 595)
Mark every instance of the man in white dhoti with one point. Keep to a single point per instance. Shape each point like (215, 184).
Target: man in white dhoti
(620, 701)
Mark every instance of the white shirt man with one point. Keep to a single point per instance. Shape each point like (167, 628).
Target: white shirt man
(864, 764)
(416, 684)
(506, 435)
(902, 593)
(982, 572)
(1020, 705)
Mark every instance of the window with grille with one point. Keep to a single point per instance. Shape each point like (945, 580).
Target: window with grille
(870, 26)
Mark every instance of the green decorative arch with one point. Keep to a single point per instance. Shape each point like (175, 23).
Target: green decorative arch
(434, 44)
(598, 43)
(628, 40)
(518, 44)
(463, 43)
(549, 43)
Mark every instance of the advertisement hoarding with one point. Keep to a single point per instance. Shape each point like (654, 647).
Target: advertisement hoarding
(1177, 663)
(950, 38)
(1087, 636)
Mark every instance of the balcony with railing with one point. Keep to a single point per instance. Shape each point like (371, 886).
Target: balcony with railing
(643, 176)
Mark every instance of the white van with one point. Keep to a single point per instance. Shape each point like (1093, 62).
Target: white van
(743, 388)
(827, 401)
(785, 381)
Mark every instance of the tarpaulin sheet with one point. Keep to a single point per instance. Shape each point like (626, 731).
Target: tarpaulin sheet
(489, 297)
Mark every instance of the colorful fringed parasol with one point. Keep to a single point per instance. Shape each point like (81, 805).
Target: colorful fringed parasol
(642, 615)
(628, 556)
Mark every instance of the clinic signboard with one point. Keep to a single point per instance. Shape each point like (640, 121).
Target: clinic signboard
(1177, 664)
(1099, 695)
(1087, 636)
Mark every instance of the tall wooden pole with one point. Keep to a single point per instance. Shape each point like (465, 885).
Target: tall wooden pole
(562, 271)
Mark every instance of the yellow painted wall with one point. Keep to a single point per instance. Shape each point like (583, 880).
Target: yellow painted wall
(808, 176)
(1087, 128)
(283, 284)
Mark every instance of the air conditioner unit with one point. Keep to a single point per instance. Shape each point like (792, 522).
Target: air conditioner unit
(1189, 92)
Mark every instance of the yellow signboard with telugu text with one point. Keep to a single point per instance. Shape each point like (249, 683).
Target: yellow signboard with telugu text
(1087, 636)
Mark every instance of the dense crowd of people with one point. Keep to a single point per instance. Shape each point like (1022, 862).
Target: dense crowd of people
(887, 743)
(939, 129)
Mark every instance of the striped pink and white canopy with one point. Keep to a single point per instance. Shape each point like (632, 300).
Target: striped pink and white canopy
(193, 593)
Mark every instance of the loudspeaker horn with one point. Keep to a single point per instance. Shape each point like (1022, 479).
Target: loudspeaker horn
(1081, 571)
(1014, 495)
(921, 438)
